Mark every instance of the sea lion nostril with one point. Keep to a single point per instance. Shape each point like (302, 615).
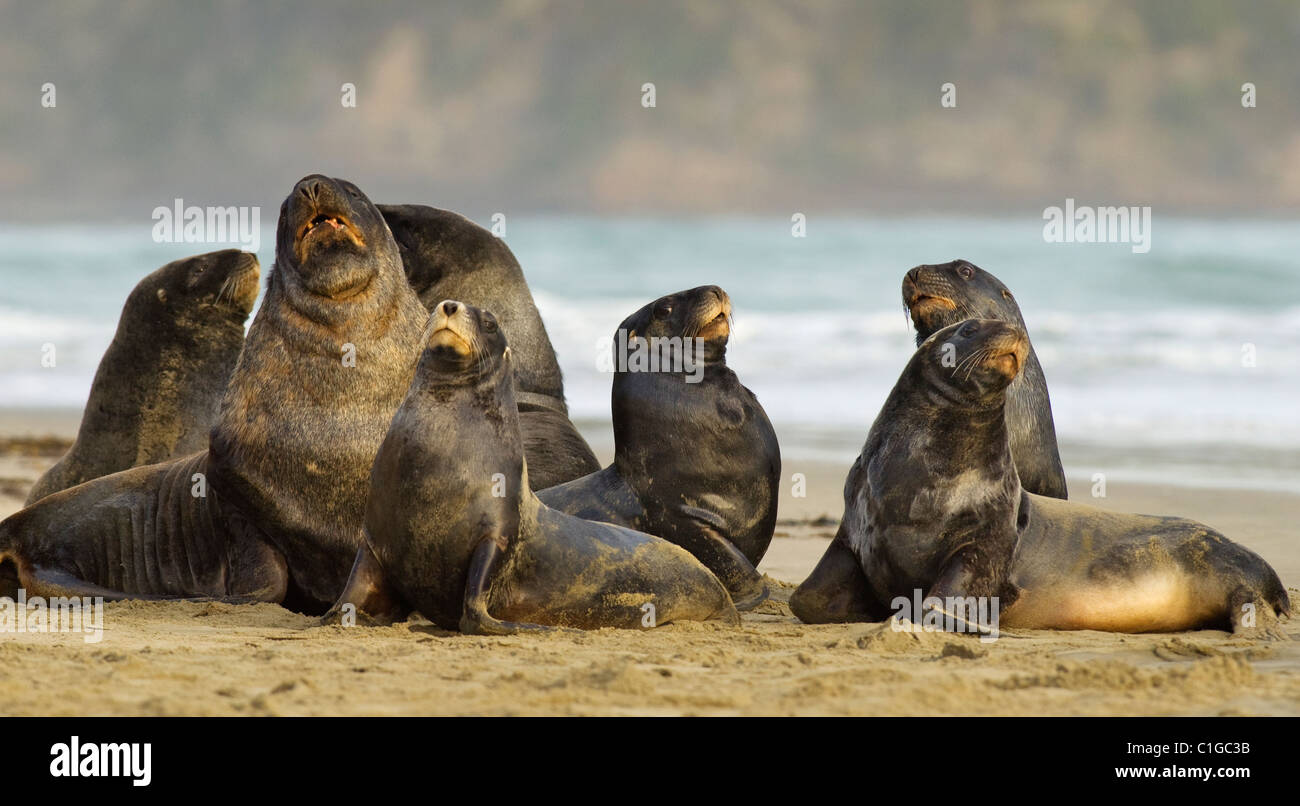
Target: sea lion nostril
(449, 307)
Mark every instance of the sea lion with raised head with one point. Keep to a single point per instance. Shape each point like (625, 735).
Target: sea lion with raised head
(695, 458)
(943, 294)
(447, 256)
(453, 530)
(934, 505)
(158, 388)
(273, 510)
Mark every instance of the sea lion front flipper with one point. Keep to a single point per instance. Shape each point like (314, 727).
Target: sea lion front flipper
(369, 592)
(475, 620)
(837, 590)
(968, 576)
(703, 534)
(50, 582)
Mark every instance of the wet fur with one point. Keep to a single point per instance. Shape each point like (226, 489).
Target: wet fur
(694, 463)
(434, 503)
(157, 391)
(447, 256)
(1029, 408)
(289, 460)
(934, 503)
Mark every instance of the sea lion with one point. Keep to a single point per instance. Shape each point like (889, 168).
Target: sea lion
(940, 295)
(273, 510)
(158, 388)
(695, 458)
(934, 504)
(453, 530)
(447, 256)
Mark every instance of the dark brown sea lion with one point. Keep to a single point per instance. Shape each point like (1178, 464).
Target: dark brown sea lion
(695, 458)
(453, 530)
(158, 388)
(274, 509)
(934, 504)
(447, 256)
(943, 294)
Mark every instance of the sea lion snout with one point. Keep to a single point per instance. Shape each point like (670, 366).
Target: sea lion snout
(463, 332)
(1004, 345)
(452, 327)
(320, 212)
(334, 242)
(712, 313)
(927, 294)
(239, 274)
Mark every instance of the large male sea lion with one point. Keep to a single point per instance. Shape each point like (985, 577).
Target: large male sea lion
(453, 530)
(447, 256)
(695, 458)
(943, 294)
(273, 510)
(934, 504)
(159, 385)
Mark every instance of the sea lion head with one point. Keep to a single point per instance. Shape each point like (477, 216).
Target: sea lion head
(942, 294)
(699, 313)
(331, 241)
(223, 284)
(973, 361)
(463, 345)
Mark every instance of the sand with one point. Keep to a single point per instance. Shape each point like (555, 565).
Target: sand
(182, 658)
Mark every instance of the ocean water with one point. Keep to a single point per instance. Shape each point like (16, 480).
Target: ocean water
(1143, 352)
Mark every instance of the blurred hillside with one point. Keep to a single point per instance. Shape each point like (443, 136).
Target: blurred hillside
(761, 106)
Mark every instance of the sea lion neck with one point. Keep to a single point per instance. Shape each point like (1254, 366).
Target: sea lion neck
(966, 426)
(375, 303)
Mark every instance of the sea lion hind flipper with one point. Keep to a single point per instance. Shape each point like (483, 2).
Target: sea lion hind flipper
(837, 590)
(707, 541)
(368, 590)
(476, 620)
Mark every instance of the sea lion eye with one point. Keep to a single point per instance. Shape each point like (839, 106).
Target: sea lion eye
(966, 270)
(490, 325)
(663, 310)
(969, 330)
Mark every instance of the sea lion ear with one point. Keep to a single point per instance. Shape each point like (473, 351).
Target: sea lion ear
(162, 295)
(631, 334)
(506, 355)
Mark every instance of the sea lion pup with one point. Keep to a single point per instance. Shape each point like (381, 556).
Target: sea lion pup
(158, 388)
(453, 530)
(940, 295)
(447, 256)
(695, 459)
(273, 510)
(934, 504)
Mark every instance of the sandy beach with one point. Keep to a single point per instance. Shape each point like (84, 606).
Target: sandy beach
(214, 659)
